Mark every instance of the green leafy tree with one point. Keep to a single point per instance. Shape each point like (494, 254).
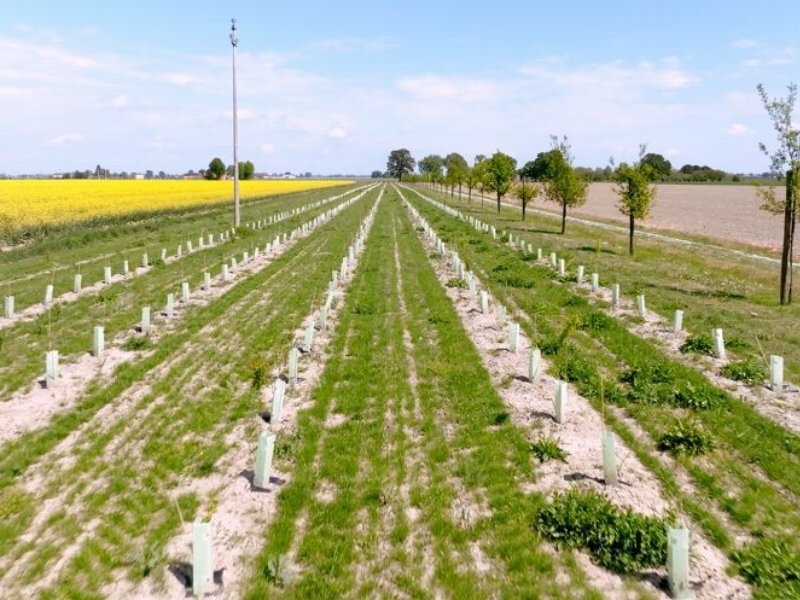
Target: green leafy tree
(457, 168)
(562, 184)
(636, 194)
(784, 160)
(399, 163)
(431, 166)
(544, 166)
(526, 191)
(216, 169)
(247, 170)
(659, 165)
(501, 170)
(477, 176)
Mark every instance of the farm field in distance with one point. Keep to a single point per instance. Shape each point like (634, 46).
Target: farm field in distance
(725, 213)
(372, 389)
(33, 203)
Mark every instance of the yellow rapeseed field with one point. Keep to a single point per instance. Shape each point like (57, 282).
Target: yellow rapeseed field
(25, 203)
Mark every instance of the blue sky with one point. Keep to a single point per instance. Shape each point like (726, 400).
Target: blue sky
(331, 87)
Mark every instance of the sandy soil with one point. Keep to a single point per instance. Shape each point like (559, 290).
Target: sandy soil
(242, 511)
(34, 406)
(728, 213)
(531, 408)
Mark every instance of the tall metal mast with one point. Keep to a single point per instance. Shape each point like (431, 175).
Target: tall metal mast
(236, 216)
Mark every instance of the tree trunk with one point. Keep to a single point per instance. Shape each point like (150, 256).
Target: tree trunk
(563, 218)
(630, 233)
(469, 196)
(524, 205)
(788, 234)
(459, 190)
(498, 203)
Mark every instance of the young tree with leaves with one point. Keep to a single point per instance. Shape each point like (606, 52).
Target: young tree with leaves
(399, 163)
(636, 194)
(562, 184)
(431, 166)
(501, 170)
(785, 160)
(457, 168)
(527, 192)
(479, 171)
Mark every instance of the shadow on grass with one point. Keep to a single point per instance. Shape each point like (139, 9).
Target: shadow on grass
(595, 250)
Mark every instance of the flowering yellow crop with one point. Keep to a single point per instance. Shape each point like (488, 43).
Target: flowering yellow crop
(37, 202)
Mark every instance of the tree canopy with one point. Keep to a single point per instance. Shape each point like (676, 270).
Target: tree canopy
(501, 171)
(246, 170)
(216, 169)
(399, 163)
(636, 194)
(432, 166)
(659, 165)
(457, 168)
(545, 166)
(562, 184)
(786, 157)
(526, 192)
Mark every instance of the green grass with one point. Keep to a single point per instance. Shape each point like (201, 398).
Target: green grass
(122, 475)
(363, 541)
(87, 248)
(714, 287)
(68, 327)
(752, 475)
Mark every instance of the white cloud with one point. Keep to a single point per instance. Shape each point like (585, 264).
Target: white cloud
(451, 88)
(64, 139)
(744, 43)
(672, 152)
(267, 148)
(182, 78)
(751, 63)
(337, 133)
(613, 76)
(120, 101)
(737, 129)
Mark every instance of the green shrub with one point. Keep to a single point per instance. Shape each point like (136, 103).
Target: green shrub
(136, 343)
(551, 345)
(772, 564)
(698, 344)
(746, 371)
(570, 365)
(649, 372)
(685, 437)
(259, 373)
(703, 397)
(515, 281)
(620, 540)
(457, 282)
(594, 321)
(547, 448)
(500, 418)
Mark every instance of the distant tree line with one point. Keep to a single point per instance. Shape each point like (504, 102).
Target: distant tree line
(551, 174)
(217, 170)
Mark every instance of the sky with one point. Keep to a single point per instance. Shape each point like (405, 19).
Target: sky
(333, 86)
